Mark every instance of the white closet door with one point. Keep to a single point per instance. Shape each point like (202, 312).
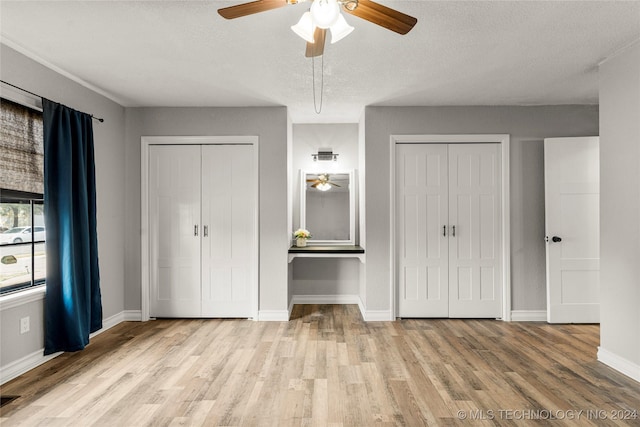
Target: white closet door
(228, 219)
(475, 279)
(174, 242)
(421, 183)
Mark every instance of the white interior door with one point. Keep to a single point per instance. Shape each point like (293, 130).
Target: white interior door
(174, 242)
(448, 230)
(202, 230)
(572, 203)
(475, 271)
(228, 241)
(422, 243)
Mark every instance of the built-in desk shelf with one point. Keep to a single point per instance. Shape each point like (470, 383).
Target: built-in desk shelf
(327, 251)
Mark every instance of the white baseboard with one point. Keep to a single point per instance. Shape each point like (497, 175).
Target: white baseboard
(24, 364)
(325, 299)
(132, 315)
(361, 307)
(290, 309)
(528, 315)
(109, 323)
(273, 315)
(123, 316)
(377, 315)
(618, 363)
(37, 358)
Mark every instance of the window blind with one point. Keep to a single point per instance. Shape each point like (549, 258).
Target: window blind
(21, 148)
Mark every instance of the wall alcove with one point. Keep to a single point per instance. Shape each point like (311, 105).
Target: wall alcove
(328, 269)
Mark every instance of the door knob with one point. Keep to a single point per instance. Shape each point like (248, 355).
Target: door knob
(556, 239)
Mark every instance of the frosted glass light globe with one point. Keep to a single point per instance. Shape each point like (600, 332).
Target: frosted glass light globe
(324, 186)
(340, 29)
(325, 12)
(305, 28)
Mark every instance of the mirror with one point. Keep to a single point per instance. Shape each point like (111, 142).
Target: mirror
(327, 207)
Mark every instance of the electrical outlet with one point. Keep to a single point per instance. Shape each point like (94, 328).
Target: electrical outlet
(24, 325)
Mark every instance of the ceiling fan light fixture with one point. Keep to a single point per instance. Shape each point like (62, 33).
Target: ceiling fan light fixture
(325, 12)
(305, 27)
(340, 29)
(323, 186)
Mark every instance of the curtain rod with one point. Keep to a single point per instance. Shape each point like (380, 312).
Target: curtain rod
(35, 94)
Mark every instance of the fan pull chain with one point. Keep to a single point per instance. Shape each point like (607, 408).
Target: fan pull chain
(313, 69)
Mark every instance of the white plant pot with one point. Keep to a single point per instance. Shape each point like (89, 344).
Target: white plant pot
(301, 242)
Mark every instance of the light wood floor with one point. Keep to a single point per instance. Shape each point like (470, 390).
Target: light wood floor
(327, 367)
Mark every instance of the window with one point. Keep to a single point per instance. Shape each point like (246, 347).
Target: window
(22, 231)
(22, 249)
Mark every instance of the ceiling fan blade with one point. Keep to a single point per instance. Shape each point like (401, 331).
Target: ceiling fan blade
(384, 16)
(333, 183)
(250, 8)
(317, 48)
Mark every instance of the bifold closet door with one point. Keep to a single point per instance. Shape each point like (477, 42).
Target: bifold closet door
(475, 271)
(174, 230)
(448, 225)
(228, 241)
(421, 218)
(202, 223)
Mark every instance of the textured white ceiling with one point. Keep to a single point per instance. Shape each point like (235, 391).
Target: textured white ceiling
(182, 53)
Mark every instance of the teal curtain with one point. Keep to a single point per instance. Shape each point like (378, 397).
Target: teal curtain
(73, 305)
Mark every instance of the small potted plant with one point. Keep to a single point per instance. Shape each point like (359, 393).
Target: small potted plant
(301, 236)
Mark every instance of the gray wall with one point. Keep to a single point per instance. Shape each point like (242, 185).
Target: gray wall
(109, 151)
(527, 126)
(325, 276)
(620, 206)
(270, 125)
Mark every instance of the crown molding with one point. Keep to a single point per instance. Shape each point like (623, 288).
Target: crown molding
(619, 51)
(29, 54)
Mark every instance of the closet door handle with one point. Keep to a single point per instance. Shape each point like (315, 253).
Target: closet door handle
(444, 231)
(453, 231)
(206, 231)
(195, 230)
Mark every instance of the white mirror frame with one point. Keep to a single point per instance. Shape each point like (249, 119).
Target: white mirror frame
(352, 208)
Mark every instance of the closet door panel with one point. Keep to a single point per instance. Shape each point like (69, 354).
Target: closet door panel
(174, 214)
(228, 212)
(475, 288)
(421, 214)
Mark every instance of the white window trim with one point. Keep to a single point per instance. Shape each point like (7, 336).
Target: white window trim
(20, 97)
(18, 298)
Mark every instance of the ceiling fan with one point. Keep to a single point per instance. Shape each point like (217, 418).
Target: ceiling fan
(322, 183)
(326, 14)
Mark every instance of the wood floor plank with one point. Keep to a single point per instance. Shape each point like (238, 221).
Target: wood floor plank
(327, 367)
